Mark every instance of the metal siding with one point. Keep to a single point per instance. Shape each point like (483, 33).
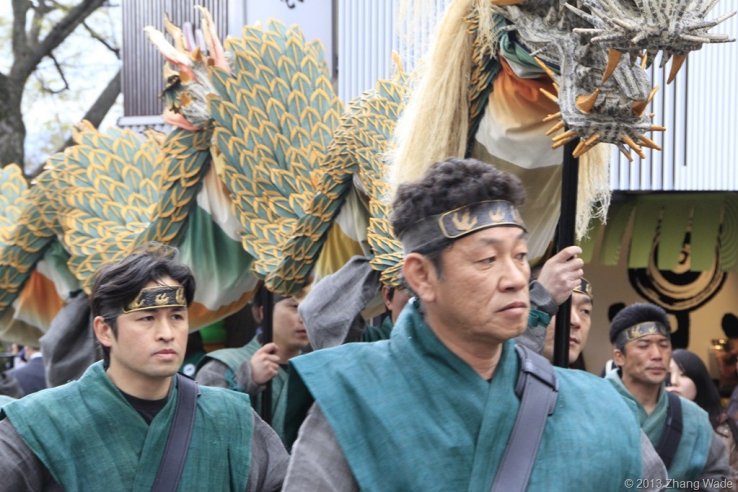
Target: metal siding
(651, 173)
(699, 111)
(364, 46)
(712, 108)
(368, 32)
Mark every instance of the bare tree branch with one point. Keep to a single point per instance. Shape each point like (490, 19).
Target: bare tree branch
(102, 40)
(60, 70)
(101, 106)
(24, 66)
(39, 12)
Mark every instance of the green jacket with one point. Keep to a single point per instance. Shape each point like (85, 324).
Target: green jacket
(86, 431)
(410, 415)
(697, 434)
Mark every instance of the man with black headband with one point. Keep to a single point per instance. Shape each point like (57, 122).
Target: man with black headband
(247, 369)
(579, 323)
(130, 422)
(434, 407)
(678, 428)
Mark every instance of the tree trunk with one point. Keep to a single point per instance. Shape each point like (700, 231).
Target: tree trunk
(12, 129)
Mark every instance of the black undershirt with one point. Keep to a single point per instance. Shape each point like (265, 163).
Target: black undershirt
(146, 408)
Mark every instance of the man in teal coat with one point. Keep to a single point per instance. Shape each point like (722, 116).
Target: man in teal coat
(641, 340)
(247, 369)
(433, 407)
(108, 430)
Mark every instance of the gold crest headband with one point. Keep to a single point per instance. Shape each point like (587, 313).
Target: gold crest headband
(158, 297)
(584, 287)
(641, 330)
(460, 222)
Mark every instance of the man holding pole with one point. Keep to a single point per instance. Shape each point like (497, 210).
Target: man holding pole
(250, 368)
(435, 406)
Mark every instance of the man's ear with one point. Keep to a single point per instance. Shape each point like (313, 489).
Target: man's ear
(618, 357)
(103, 331)
(386, 297)
(421, 276)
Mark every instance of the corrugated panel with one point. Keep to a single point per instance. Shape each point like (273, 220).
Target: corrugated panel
(368, 32)
(142, 81)
(712, 107)
(656, 172)
(698, 109)
(364, 45)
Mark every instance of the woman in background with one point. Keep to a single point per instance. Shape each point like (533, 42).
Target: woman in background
(690, 379)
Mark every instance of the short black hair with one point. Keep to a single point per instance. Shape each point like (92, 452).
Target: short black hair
(260, 293)
(115, 285)
(634, 314)
(447, 185)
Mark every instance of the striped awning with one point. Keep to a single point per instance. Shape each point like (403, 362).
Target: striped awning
(683, 231)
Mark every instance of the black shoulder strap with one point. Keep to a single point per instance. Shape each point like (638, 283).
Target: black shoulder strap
(669, 441)
(178, 440)
(537, 387)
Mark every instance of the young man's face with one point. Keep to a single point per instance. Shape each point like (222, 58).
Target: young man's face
(580, 323)
(645, 360)
(482, 293)
(150, 344)
(288, 329)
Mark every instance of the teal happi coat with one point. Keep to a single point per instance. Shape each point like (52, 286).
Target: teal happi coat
(697, 434)
(88, 436)
(233, 358)
(378, 332)
(410, 415)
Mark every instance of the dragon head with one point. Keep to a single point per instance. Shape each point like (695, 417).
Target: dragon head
(187, 80)
(597, 53)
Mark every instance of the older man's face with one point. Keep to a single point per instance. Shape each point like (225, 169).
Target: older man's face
(482, 293)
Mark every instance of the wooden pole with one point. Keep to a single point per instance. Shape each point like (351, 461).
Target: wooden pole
(267, 302)
(566, 237)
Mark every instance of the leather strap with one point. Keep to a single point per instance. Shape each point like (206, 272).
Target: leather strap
(538, 388)
(178, 440)
(672, 433)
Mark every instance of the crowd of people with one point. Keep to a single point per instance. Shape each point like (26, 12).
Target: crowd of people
(452, 390)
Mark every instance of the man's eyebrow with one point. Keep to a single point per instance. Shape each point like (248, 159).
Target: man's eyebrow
(493, 240)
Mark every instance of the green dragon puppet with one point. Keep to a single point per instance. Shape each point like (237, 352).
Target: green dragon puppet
(267, 175)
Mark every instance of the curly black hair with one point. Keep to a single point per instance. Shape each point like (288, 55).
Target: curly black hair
(451, 184)
(447, 185)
